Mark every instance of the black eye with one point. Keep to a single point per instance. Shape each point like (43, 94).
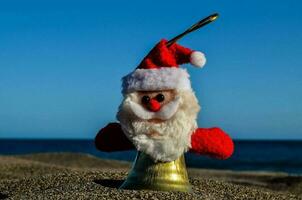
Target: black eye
(160, 97)
(145, 99)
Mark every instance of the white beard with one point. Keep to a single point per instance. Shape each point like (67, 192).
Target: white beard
(173, 136)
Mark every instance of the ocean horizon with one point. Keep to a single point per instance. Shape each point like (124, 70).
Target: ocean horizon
(250, 155)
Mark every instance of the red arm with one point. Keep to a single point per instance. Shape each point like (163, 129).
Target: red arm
(111, 138)
(213, 142)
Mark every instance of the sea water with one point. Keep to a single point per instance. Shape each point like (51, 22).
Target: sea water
(251, 155)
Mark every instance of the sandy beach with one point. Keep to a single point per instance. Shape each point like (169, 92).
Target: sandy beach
(81, 176)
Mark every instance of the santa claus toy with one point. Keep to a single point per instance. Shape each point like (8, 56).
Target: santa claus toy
(158, 118)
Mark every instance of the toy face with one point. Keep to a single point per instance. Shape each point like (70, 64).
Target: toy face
(159, 123)
(154, 106)
(155, 100)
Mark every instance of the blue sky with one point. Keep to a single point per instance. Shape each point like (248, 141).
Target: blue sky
(61, 63)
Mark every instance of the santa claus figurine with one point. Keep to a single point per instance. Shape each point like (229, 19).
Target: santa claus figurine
(158, 118)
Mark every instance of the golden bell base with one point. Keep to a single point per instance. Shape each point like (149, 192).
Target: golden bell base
(165, 176)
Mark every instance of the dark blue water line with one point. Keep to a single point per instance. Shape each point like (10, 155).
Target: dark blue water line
(260, 155)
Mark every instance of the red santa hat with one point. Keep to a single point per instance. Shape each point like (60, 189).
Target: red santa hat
(160, 70)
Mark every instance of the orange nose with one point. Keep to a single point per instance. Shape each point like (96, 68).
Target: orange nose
(154, 105)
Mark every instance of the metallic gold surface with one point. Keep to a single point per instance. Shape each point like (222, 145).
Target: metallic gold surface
(165, 176)
(213, 17)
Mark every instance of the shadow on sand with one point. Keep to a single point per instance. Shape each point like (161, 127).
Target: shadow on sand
(3, 196)
(109, 183)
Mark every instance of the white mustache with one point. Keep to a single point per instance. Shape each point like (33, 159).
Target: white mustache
(166, 112)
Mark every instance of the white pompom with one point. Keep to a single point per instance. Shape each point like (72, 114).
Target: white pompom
(197, 59)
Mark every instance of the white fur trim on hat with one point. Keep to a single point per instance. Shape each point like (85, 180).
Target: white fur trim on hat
(197, 59)
(156, 79)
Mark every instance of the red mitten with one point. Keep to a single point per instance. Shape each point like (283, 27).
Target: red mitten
(111, 138)
(213, 142)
